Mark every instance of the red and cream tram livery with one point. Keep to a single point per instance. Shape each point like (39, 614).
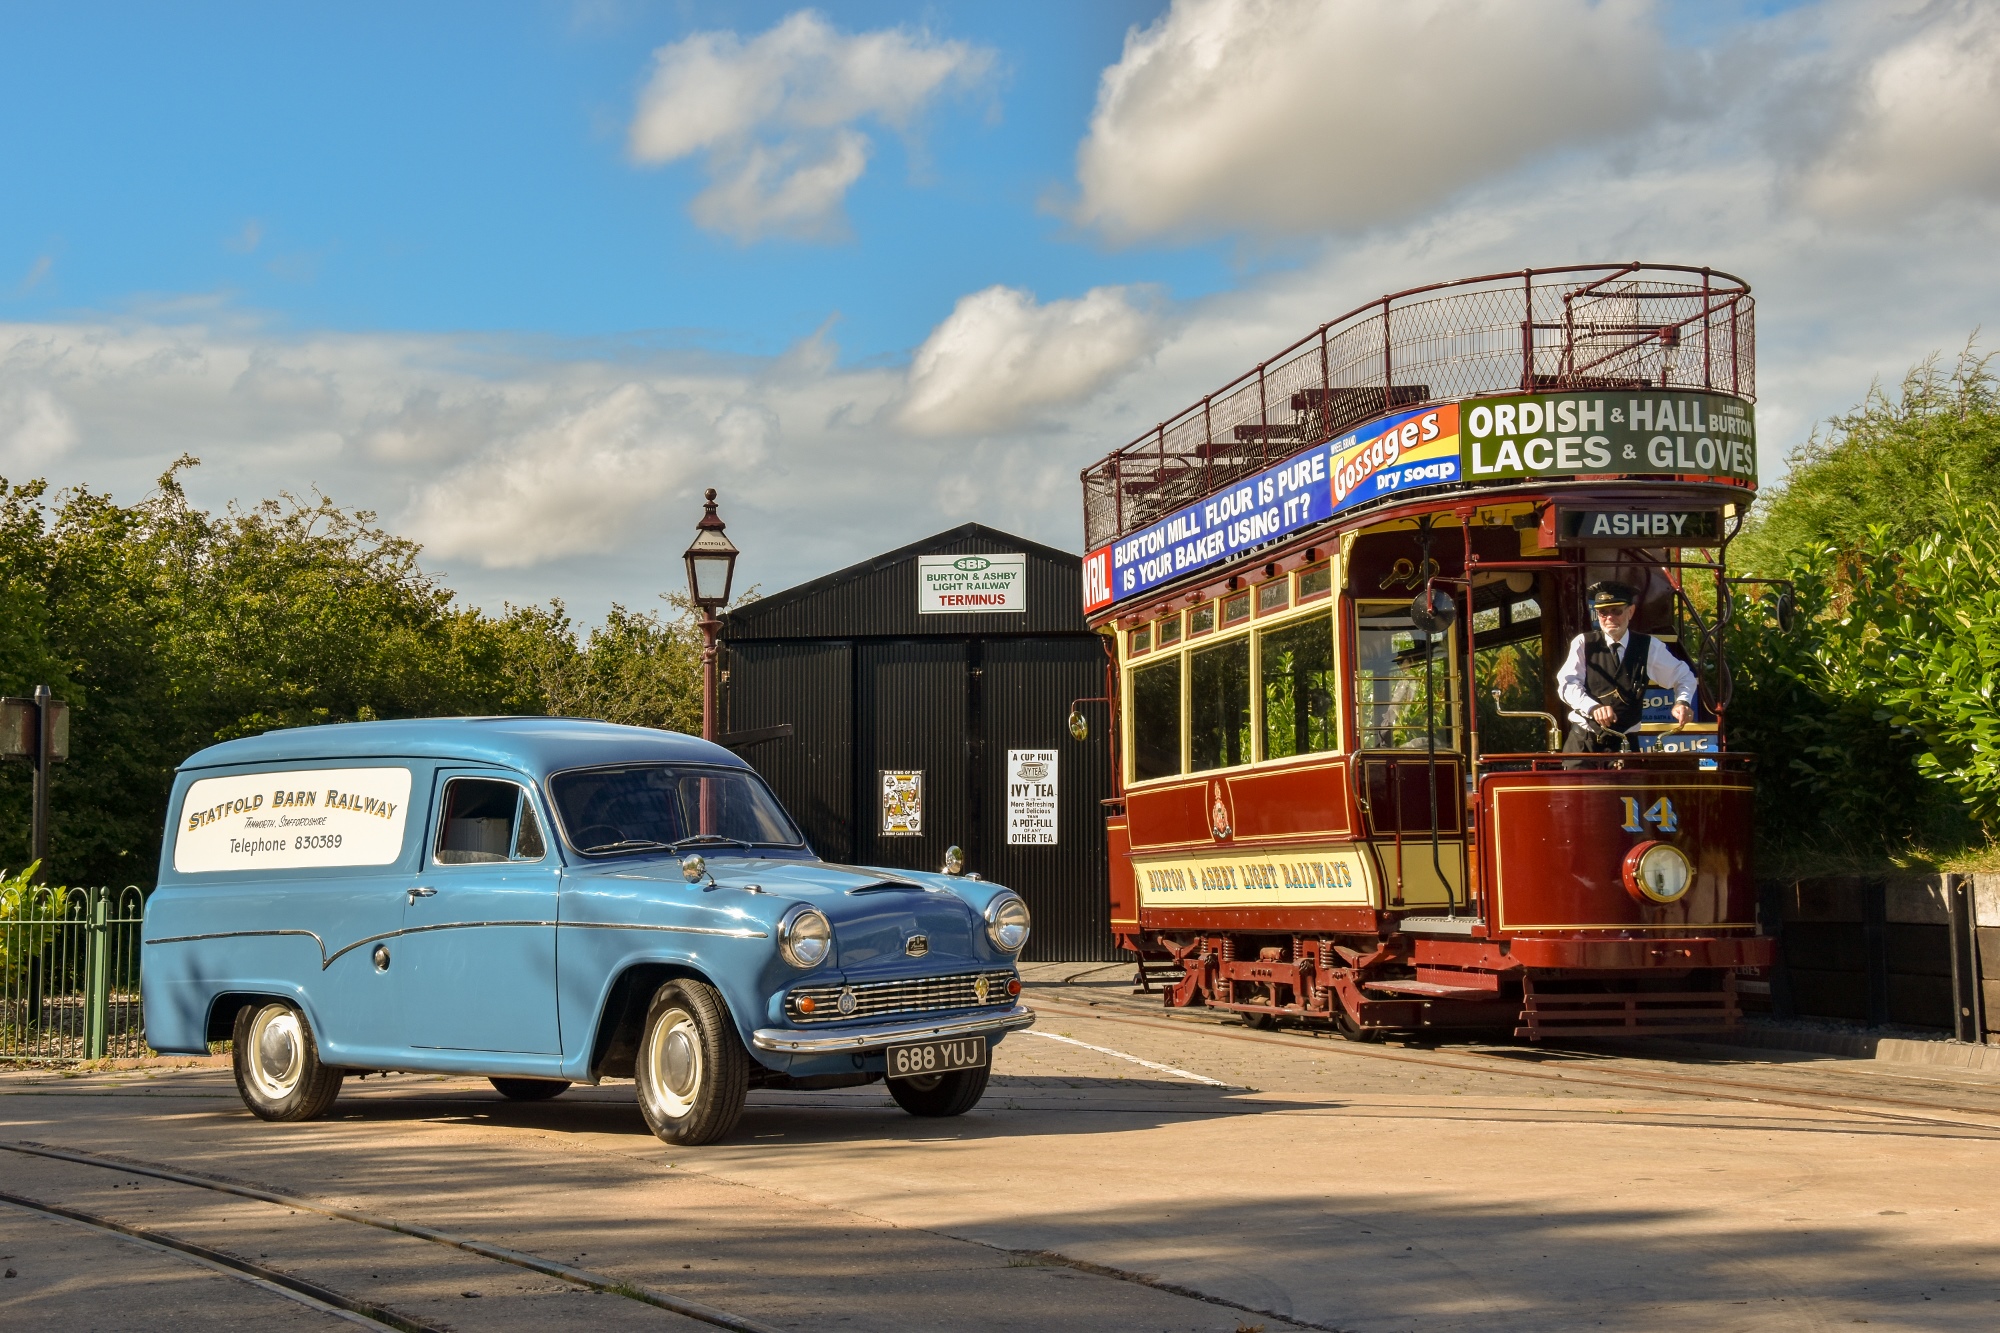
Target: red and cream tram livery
(1341, 593)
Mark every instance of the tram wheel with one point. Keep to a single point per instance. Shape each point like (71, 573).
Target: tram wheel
(1344, 1023)
(1260, 1022)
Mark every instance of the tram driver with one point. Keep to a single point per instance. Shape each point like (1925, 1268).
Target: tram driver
(1605, 676)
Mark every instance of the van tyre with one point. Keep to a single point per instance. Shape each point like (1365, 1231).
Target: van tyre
(278, 1069)
(937, 1095)
(529, 1089)
(692, 1069)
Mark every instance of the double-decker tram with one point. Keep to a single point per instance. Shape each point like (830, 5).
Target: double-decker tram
(1420, 712)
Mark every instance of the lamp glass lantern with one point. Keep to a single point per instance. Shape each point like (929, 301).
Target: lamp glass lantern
(711, 560)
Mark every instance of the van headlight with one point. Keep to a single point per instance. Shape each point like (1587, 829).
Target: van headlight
(1007, 922)
(804, 937)
(1657, 872)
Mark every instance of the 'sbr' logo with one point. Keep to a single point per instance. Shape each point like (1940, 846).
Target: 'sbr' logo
(971, 564)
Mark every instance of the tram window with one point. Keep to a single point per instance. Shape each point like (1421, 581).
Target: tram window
(1236, 610)
(1202, 619)
(1156, 720)
(1219, 705)
(1507, 656)
(1315, 582)
(1140, 640)
(1169, 629)
(1274, 596)
(1299, 689)
(1389, 680)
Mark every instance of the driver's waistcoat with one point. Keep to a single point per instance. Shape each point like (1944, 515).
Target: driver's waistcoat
(1618, 679)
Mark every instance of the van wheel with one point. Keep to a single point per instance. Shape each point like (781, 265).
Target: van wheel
(278, 1071)
(692, 1069)
(529, 1089)
(938, 1095)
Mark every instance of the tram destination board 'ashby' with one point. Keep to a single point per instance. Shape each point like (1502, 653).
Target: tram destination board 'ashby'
(1692, 436)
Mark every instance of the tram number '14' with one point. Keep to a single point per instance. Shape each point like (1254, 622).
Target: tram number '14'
(1660, 812)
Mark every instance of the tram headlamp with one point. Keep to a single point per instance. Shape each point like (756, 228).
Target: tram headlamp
(1007, 922)
(1657, 872)
(804, 937)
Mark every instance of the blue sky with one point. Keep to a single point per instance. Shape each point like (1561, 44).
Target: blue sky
(448, 168)
(524, 278)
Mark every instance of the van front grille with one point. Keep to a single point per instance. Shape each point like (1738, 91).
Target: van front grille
(908, 995)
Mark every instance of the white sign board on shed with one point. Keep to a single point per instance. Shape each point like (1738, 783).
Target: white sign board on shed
(1031, 797)
(309, 817)
(957, 584)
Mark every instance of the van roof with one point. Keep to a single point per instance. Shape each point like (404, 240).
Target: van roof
(536, 745)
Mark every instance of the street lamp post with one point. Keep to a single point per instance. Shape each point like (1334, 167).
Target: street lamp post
(711, 564)
(36, 730)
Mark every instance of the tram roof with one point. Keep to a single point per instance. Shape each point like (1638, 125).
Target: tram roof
(1622, 333)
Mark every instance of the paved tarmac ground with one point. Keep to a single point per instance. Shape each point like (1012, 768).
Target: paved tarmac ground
(1129, 1169)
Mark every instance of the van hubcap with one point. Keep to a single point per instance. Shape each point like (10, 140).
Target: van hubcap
(277, 1051)
(676, 1062)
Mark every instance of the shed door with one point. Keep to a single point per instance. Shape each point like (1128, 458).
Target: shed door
(913, 714)
(808, 685)
(1026, 690)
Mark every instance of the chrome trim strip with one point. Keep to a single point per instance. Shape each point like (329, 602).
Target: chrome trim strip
(234, 934)
(883, 1034)
(744, 933)
(326, 960)
(424, 930)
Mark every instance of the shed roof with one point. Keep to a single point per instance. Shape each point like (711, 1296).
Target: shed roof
(878, 596)
(536, 745)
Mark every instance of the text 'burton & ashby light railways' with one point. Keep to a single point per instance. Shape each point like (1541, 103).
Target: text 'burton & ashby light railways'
(1420, 703)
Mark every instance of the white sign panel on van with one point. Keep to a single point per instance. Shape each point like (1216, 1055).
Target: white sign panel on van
(283, 821)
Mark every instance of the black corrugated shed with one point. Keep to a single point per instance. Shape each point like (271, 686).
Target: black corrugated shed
(868, 683)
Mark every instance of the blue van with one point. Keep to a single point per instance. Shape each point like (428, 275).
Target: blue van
(547, 901)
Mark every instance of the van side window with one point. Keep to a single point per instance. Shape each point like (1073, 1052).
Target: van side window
(485, 820)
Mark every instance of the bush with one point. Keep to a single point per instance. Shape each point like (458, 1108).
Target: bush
(168, 628)
(1876, 717)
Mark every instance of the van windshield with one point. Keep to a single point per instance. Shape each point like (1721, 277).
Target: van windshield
(647, 807)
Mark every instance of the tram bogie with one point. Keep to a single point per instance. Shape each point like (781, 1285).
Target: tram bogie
(1359, 786)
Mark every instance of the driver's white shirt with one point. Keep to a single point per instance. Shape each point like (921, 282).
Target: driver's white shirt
(1662, 668)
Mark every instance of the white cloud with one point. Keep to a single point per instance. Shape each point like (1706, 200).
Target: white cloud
(999, 358)
(1290, 116)
(1923, 123)
(774, 116)
(35, 429)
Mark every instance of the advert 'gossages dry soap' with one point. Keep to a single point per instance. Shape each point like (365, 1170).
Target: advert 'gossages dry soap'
(308, 817)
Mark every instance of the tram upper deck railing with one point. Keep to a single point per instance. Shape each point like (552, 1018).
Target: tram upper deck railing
(1598, 326)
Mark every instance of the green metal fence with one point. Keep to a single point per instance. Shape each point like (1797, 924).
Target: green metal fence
(69, 973)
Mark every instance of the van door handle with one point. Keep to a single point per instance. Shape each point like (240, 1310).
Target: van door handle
(419, 892)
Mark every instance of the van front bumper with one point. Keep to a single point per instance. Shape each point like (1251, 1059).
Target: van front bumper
(874, 1036)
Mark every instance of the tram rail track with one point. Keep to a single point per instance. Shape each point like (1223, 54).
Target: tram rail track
(1892, 1109)
(312, 1295)
(235, 1265)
